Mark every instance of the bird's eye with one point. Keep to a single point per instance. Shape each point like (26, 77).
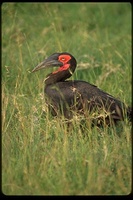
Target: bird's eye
(63, 59)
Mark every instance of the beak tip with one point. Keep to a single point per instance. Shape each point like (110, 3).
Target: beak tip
(35, 69)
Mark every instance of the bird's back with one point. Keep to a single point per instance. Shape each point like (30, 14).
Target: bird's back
(82, 97)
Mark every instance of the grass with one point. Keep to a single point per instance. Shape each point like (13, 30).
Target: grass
(39, 156)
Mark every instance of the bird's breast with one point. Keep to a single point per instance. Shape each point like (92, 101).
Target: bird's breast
(62, 92)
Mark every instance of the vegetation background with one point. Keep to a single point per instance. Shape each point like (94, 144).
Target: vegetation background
(39, 156)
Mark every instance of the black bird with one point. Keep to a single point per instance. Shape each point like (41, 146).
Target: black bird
(76, 96)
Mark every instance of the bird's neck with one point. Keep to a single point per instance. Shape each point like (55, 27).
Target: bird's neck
(58, 76)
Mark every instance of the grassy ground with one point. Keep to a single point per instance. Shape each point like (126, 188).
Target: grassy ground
(39, 157)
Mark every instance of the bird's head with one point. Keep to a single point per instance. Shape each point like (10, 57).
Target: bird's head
(65, 62)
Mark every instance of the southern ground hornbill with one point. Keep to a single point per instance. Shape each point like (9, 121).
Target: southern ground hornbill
(76, 96)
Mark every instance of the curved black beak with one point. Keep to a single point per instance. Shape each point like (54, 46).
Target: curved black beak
(51, 61)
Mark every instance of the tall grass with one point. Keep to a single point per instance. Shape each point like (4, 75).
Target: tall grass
(39, 155)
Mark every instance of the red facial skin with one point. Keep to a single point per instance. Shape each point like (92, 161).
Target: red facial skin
(64, 59)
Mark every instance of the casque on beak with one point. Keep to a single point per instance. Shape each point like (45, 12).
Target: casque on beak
(51, 61)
